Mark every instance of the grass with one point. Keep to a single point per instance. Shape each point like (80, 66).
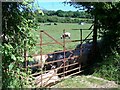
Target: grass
(79, 82)
(71, 18)
(83, 82)
(56, 31)
(72, 82)
(95, 81)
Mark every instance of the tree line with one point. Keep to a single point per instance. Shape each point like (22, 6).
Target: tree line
(64, 16)
(44, 19)
(73, 14)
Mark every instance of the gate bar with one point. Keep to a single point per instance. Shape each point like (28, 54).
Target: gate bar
(80, 48)
(41, 53)
(69, 71)
(52, 38)
(64, 51)
(87, 36)
(62, 42)
(73, 74)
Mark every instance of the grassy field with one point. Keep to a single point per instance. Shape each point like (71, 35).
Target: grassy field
(85, 82)
(71, 18)
(56, 31)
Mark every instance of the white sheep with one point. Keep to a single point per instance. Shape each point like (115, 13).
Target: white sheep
(40, 59)
(66, 34)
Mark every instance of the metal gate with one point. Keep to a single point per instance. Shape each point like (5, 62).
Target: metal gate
(67, 67)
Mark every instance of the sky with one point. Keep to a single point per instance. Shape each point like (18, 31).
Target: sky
(55, 5)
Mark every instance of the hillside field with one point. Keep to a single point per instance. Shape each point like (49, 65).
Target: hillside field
(56, 31)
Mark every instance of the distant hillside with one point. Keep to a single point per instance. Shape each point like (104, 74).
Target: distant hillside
(64, 16)
(74, 14)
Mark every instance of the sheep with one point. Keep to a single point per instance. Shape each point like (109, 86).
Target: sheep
(76, 56)
(66, 34)
(47, 79)
(86, 50)
(35, 60)
(38, 59)
(57, 56)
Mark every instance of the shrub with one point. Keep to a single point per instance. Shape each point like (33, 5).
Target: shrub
(109, 68)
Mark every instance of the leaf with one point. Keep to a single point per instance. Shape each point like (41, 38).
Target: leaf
(24, 74)
(30, 59)
(25, 2)
(21, 59)
(18, 70)
(6, 52)
(11, 66)
(13, 57)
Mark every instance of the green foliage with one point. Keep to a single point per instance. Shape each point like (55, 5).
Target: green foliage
(16, 79)
(109, 68)
(17, 23)
(72, 14)
(44, 19)
(108, 23)
(64, 16)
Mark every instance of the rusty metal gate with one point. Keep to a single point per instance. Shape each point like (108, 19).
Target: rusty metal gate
(41, 78)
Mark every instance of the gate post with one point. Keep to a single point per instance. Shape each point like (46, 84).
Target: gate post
(95, 33)
(81, 42)
(64, 50)
(95, 36)
(93, 54)
(80, 48)
(41, 55)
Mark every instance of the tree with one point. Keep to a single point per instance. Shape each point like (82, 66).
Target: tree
(77, 14)
(17, 22)
(60, 13)
(69, 14)
(107, 22)
(50, 13)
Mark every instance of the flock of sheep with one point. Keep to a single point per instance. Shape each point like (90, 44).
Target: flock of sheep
(72, 56)
(54, 71)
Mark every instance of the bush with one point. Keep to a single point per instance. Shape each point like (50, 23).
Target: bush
(16, 26)
(109, 68)
(44, 19)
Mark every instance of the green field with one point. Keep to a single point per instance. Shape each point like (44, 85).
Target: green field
(56, 31)
(71, 18)
(83, 81)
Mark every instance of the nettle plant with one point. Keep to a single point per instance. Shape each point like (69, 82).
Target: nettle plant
(18, 20)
